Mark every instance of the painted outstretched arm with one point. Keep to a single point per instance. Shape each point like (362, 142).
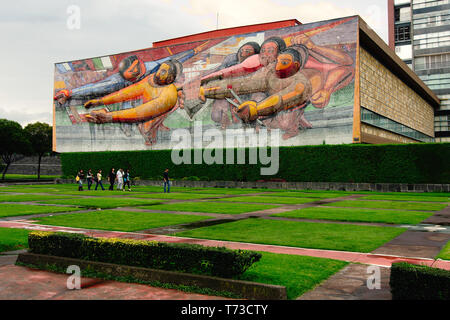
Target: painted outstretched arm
(161, 104)
(128, 93)
(220, 89)
(91, 90)
(294, 95)
(323, 54)
(249, 65)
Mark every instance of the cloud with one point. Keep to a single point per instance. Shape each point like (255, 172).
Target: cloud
(232, 13)
(24, 117)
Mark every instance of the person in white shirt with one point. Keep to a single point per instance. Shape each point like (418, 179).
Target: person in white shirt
(119, 177)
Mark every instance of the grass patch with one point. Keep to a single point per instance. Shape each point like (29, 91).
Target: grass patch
(298, 274)
(104, 203)
(267, 199)
(305, 195)
(11, 210)
(445, 252)
(28, 197)
(213, 207)
(388, 205)
(406, 198)
(359, 215)
(13, 239)
(119, 220)
(177, 196)
(299, 234)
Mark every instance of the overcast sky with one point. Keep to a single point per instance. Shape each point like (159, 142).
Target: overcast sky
(35, 35)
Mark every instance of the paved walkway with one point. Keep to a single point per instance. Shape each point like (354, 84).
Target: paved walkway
(21, 283)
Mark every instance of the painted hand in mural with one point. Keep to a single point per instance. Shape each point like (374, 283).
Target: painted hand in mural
(100, 116)
(92, 103)
(247, 111)
(62, 96)
(302, 39)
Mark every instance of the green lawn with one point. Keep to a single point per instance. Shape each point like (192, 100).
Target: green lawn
(119, 220)
(267, 199)
(445, 252)
(298, 274)
(177, 196)
(388, 205)
(28, 197)
(299, 234)
(360, 215)
(407, 198)
(305, 195)
(13, 239)
(104, 203)
(213, 207)
(11, 210)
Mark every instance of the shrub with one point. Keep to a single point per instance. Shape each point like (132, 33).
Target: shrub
(399, 163)
(189, 258)
(414, 282)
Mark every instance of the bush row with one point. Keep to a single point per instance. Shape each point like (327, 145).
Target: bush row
(403, 163)
(414, 282)
(189, 258)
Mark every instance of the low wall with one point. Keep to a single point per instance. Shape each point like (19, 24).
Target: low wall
(338, 186)
(245, 289)
(29, 165)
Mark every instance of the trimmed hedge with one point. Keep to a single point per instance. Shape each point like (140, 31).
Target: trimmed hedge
(400, 163)
(414, 282)
(188, 258)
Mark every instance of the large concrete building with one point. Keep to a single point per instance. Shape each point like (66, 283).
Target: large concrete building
(419, 31)
(328, 82)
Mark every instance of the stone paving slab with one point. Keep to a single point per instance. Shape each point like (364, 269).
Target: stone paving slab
(351, 284)
(415, 244)
(22, 283)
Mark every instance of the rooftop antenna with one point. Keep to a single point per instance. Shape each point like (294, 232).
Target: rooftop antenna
(217, 20)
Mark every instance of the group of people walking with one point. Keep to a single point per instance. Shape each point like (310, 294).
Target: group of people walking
(121, 177)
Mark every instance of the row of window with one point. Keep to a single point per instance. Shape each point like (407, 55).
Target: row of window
(432, 62)
(379, 121)
(442, 123)
(436, 43)
(432, 21)
(420, 4)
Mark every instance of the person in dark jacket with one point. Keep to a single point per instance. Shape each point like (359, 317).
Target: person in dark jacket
(111, 179)
(90, 179)
(166, 181)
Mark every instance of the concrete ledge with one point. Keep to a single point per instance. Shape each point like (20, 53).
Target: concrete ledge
(245, 289)
(338, 186)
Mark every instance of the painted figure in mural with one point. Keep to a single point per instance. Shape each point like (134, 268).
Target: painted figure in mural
(282, 80)
(326, 69)
(159, 95)
(130, 70)
(220, 108)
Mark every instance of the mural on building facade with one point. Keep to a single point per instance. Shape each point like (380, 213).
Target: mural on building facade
(296, 79)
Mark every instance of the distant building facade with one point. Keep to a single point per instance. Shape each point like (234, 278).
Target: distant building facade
(419, 32)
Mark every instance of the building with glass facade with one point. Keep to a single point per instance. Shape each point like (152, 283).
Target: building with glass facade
(419, 32)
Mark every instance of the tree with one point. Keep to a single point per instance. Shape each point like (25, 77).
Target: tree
(40, 137)
(14, 143)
